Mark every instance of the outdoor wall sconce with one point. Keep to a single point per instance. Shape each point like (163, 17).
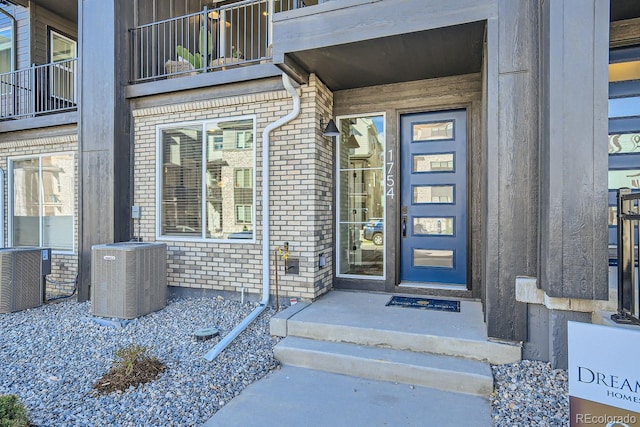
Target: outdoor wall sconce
(330, 130)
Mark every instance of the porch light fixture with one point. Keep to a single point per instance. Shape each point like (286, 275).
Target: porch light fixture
(330, 130)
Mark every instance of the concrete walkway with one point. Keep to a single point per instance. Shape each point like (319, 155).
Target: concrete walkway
(294, 396)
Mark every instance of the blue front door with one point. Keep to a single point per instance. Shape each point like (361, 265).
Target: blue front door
(433, 212)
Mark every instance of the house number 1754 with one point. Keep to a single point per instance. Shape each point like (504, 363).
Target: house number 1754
(390, 180)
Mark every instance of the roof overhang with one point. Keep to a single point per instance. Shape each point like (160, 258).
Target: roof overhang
(65, 8)
(440, 52)
(624, 9)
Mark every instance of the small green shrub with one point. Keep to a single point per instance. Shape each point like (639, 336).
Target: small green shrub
(12, 412)
(129, 356)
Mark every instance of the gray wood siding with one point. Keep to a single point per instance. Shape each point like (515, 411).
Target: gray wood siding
(625, 33)
(22, 34)
(43, 20)
(104, 130)
(512, 241)
(573, 184)
(148, 11)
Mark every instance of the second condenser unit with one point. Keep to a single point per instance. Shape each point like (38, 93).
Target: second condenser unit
(20, 278)
(128, 279)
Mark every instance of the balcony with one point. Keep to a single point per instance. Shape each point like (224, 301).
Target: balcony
(213, 39)
(39, 90)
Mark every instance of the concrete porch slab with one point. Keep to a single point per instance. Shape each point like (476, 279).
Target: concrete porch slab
(363, 318)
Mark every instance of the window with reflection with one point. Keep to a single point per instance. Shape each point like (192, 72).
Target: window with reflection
(361, 210)
(432, 131)
(6, 42)
(432, 258)
(42, 201)
(620, 143)
(624, 129)
(207, 184)
(433, 163)
(434, 226)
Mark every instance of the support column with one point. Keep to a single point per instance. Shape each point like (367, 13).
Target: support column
(573, 149)
(512, 163)
(105, 142)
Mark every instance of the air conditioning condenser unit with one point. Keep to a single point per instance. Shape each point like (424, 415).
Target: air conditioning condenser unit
(128, 279)
(20, 279)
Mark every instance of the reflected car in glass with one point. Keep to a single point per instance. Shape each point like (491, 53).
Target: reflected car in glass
(374, 231)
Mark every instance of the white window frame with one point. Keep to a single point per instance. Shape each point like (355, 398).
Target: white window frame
(337, 221)
(11, 47)
(241, 141)
(12, 28)
(235, 173)
(159, 180)
(63, 68)
(244, 209)
(11, 192)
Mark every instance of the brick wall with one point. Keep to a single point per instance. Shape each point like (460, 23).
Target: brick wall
(64, 267)
(301, 193)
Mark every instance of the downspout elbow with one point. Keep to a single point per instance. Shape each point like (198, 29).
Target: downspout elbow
(295, 111)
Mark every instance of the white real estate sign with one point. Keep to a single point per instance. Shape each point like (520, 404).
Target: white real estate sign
(604, 375)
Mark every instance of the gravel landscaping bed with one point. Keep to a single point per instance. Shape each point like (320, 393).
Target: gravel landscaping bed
(530, 393)
(52, 355)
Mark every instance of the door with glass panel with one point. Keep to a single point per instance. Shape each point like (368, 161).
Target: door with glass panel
(433, 216)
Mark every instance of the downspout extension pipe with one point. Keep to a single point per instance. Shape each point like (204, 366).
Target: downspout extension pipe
(215, 351)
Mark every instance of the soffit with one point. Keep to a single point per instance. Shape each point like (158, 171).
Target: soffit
(624, 9)
(441, 52)
(65, 8)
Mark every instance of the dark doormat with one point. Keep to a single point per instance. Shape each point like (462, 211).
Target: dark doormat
(425, 303)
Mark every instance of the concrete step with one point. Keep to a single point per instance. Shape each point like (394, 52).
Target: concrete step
(450, 334)
(445, 373)
(483, 350)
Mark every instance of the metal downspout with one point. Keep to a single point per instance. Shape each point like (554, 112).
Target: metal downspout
(215, 351)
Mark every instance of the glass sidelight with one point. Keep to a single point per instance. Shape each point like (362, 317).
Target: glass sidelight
(361, 209)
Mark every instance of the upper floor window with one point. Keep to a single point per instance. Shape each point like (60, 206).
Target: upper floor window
(63, 51)
(6, 42)
(62, 48)
(42, 200)
(206, 180)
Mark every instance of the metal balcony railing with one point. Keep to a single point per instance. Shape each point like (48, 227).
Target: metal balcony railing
(213, 39)
(39, 89)
(296, 4)
(628, 292)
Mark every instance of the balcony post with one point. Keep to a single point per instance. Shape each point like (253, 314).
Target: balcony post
(269, 26)
(205, 28)
(223, 33)
(32, 85)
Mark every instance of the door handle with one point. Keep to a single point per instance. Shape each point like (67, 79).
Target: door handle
(404, 226)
